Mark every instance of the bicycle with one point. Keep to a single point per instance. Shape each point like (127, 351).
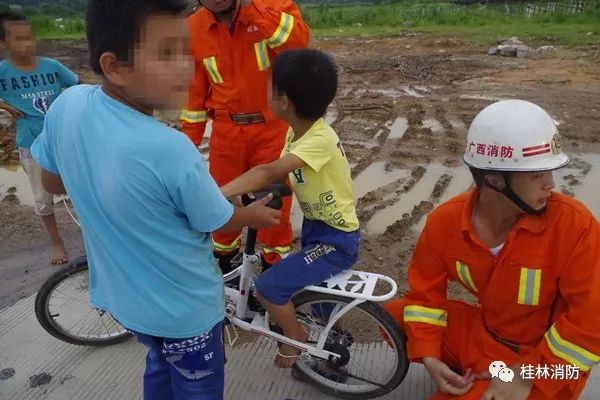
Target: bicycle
(357, 361)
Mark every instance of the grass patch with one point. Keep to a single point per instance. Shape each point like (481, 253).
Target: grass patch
(477, 23)
(482, 24)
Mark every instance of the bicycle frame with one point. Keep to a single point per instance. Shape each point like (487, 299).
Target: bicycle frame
(240, 316)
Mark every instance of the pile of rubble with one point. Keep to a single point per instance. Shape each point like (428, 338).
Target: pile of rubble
(8, 151)
(513, 47)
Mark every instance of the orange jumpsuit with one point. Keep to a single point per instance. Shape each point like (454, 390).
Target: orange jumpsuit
(539, 298)
(232, 70)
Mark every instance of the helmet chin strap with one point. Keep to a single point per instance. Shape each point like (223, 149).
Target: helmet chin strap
(512, 196)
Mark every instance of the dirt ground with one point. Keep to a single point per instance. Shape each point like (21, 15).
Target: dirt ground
(402, 111)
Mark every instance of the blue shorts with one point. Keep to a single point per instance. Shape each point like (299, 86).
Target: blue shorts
(326, 252)
(185, 369)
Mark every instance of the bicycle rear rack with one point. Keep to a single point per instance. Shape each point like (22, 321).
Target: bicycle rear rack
(358, 285)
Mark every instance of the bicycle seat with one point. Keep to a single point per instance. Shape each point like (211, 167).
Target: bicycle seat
(279, 190)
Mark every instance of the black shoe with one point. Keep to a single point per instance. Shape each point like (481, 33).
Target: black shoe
(255, 305)
(265, 265)
(228, 264)
(225, 261)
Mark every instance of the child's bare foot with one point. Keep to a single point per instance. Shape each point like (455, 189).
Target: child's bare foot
(59, 254)
(287, 355)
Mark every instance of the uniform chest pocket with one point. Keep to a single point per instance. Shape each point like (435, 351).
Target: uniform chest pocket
(533, 280)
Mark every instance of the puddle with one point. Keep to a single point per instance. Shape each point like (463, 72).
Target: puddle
(369, 145)
(482, 97)
(345, 91)
(13, 176)
(458, 125)
(586, 191)
(406, 202)
(331, 116)
(398, 128)
(375, 176)
(434, 125)
(460, 183)
(411, 92)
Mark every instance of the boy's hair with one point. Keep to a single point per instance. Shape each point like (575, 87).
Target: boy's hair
(8, 16)
(308, 78)
(115, 25)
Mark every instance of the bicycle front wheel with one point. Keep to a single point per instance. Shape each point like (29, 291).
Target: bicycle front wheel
(63, 309)
(372, 346)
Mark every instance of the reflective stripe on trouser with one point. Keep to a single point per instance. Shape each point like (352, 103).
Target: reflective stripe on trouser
(225, 248)
(235, 149)
(282, 251)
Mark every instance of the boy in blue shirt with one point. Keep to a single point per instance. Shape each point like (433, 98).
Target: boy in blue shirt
(146, 201)
(28, 85)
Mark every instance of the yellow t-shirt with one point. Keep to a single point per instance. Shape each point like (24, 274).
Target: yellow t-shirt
(324, 186)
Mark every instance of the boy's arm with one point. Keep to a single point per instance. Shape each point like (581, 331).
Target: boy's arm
(52, 183)
(197, 196)
(261, 176)
(193, 118)
(425, 314)
(255, 216)
(280, 22)
(68, 78)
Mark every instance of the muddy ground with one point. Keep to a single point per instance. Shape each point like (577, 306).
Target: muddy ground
(402, 111)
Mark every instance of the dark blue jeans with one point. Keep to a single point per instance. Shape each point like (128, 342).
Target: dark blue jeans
(185, 369)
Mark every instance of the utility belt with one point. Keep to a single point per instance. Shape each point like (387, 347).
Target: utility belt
(238, 118)
(511, 345)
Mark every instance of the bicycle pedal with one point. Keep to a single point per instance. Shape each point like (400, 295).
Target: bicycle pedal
(329, 372)
(255, 305)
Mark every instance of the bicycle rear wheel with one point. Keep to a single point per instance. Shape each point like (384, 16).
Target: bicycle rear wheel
(372, 346)
(63, 309)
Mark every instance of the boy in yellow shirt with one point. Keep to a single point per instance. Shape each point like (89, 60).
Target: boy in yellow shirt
(304, 83)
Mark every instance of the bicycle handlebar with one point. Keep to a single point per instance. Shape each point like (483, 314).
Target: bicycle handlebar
(279, 191)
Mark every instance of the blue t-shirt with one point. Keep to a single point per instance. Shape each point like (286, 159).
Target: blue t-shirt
(32, 92)
(147, 205)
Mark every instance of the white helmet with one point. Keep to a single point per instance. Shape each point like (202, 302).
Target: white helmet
(514, 135)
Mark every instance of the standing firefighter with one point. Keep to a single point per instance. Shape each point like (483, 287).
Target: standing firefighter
(233, 43)
(532, 258)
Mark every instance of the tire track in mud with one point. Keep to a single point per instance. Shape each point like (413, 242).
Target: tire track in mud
(386, 196)
(397, 230)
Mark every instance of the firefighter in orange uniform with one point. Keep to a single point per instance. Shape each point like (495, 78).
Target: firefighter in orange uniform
(233, 43)
(532, 258)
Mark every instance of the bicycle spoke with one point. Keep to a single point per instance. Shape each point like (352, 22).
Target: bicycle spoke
(84, 318)
(70, 298)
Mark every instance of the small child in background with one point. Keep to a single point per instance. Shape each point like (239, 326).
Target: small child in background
(28, 86)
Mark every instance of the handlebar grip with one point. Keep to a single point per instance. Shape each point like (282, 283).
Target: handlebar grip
(276, 203)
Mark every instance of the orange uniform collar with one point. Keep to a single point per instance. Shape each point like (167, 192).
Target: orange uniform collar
(531, 223)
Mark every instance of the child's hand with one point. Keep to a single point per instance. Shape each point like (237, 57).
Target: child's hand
(264, 216)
